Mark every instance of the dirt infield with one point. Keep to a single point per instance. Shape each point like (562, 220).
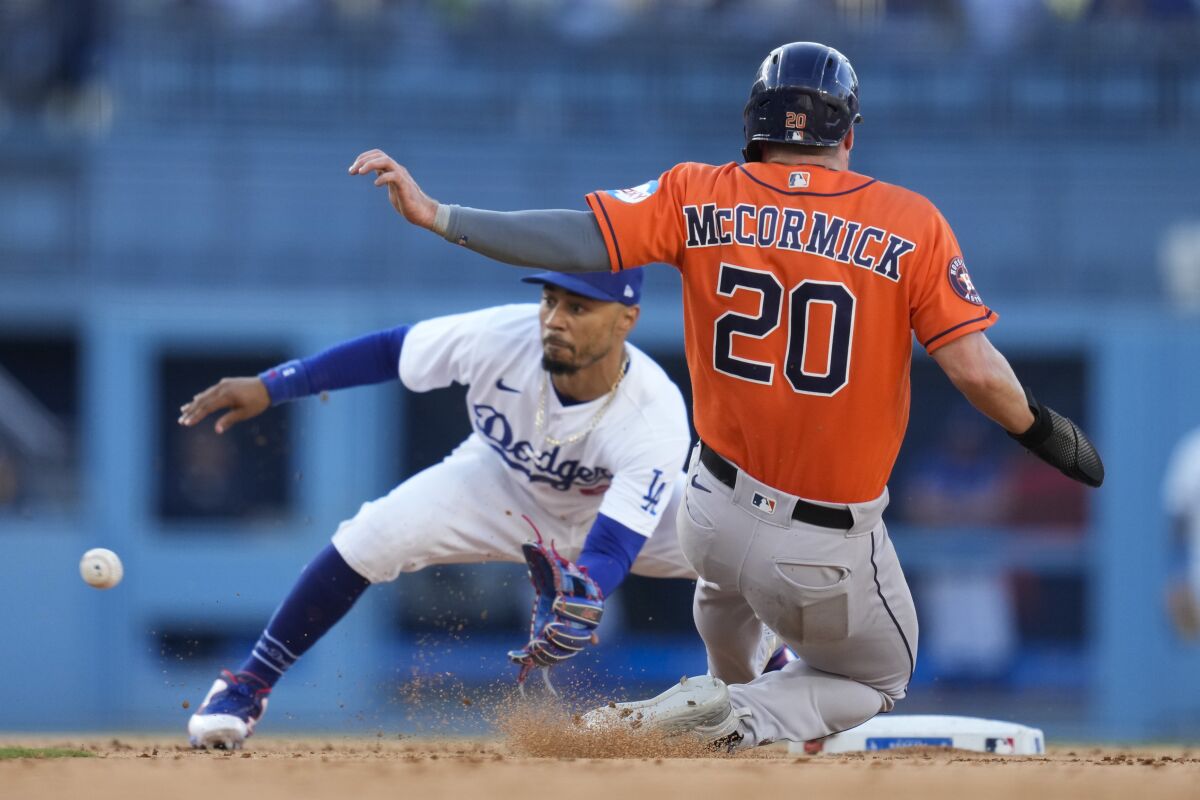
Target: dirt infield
(361, 768)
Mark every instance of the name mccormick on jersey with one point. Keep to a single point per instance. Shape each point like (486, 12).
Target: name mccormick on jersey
(818, 233)
(541, 466)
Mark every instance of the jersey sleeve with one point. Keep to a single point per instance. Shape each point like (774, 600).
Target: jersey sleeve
(647, 458)
(642, 483)
(642, 224)
(444, 350)
(944, 303)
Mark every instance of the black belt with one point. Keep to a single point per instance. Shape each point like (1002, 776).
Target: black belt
(811, 513)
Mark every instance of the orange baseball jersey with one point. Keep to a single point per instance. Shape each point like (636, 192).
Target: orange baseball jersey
(802, 286)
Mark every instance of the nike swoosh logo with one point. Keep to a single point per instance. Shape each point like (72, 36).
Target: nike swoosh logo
(696, 484)
(500, 385)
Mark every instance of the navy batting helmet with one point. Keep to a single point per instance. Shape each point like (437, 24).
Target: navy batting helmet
(804, 93)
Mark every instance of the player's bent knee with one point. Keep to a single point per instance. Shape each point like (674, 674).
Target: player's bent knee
(375, 549)
(893, 688)
(357, 549)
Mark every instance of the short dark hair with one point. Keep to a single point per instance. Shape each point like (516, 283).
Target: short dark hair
(797, 149)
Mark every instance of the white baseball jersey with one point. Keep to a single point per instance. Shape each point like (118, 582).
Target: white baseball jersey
(625, 468)
(1181, 496)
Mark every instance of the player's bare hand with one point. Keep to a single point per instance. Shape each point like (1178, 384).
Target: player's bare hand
(244, 397)
(404, 193)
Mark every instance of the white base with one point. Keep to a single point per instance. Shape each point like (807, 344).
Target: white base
(888, 731)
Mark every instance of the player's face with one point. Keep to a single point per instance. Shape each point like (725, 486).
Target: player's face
(578, 331)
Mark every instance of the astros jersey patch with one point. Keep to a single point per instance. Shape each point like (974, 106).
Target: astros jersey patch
(803, 287)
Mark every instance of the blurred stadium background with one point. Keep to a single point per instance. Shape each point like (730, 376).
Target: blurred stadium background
(174, 208)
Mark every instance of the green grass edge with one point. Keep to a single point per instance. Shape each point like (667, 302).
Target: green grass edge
(43, 752)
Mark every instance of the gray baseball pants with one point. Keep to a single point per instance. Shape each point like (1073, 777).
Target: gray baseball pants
(837, 598)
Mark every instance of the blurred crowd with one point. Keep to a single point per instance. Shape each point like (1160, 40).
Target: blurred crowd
(854, 11)
(52, 52)
(51, 49)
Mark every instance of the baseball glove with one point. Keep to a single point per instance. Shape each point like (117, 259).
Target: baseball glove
(567, 608)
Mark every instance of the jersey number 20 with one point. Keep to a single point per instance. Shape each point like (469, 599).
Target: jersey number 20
(800, 298)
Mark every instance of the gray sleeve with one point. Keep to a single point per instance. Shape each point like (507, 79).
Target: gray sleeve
(559, 239)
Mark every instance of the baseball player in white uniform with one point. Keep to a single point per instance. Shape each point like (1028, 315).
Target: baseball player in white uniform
(571, 425)
(1181, 498)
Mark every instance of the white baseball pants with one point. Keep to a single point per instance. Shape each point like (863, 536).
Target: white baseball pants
(467, 510)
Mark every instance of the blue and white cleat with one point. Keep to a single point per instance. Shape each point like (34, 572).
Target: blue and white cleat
(231, 709)
(699, 706)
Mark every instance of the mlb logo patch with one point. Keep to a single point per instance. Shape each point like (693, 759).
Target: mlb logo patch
(763, 503)
(798, 180)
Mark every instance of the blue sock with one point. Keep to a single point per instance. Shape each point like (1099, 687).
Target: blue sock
(327, 589)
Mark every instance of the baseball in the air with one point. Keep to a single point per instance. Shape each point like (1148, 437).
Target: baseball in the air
(101, 568)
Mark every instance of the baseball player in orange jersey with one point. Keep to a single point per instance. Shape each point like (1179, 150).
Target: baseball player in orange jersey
(803, 284)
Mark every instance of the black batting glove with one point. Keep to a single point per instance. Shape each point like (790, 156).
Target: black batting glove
(1058, 441)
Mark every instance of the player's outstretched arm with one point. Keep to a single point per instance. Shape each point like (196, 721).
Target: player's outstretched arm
(562, 240)
(373, 358)
(244, 397)
(984, 376)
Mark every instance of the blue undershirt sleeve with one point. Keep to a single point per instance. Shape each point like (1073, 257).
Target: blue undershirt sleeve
(609, 552)
(373, 358)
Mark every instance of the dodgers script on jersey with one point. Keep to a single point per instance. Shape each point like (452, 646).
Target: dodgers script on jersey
(624, 468)
(802, 288)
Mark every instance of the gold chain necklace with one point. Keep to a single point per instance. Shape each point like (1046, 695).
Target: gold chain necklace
(539, 420)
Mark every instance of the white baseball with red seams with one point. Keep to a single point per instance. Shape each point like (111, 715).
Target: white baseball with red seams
(101, 568)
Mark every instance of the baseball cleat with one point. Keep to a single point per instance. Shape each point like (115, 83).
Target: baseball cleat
(697, 705)
(231, 709)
